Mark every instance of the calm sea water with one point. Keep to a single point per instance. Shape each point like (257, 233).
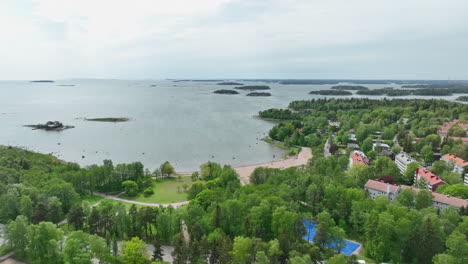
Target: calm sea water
(181, 122)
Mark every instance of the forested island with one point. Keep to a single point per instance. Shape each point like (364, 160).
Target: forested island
(50, 126)
(404, 92)
(229, 83)
(42, 81)
(462, 98)
(349, 87)
(331, 92)
(225, 91)
(258, 94)
(253, 87)
(109, 119)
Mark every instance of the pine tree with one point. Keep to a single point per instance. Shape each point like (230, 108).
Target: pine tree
(157, 252)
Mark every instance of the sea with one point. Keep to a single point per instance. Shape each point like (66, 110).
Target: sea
(180, 121)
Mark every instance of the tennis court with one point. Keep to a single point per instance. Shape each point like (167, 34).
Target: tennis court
(349, 248)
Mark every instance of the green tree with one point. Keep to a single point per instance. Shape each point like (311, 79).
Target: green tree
(130, 187)
(26, 207)
(242, 250)
(410, 171)
(367, 145)
(427, 154)
(134, 252)
(44, 243)
(423, 199)
(17, 234)
(76, 249)
(167, 169)
(406, 198)
(456, 190)
(440, 167)
(55, 213)
(337, 259)
(429, 240)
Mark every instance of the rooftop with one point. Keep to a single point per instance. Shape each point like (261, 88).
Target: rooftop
(359, 158)
(459, 161)
(380, 186)
(429, 176)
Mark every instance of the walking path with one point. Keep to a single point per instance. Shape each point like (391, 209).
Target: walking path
(301, 159)
(175, 205)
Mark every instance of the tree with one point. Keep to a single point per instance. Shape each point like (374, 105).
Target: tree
(385, 166)
(99, 248)
(409, 173)
(17, 234)
(261, 258)
(130, 187)
(406, 198)
(456, 190)
(305, 259)
(429, 240)
(361, 173)
(242, 250)
(337, 259)
(372, 154)
(451, 177)
(181, 250)
(427, 154)
(423, 199)
(76, 249)
(457, 250)
(367, 145)
(324, 223)
(26, 207)
(55, 210)
(134, 251)
(44, 243)
(440, 167)
(167, 169)
(157, 252)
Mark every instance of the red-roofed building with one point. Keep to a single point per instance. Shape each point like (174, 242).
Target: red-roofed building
(428, 179)
(459, 165)
(463, 139)
(357, 157)
(440, 201)
(443, 129)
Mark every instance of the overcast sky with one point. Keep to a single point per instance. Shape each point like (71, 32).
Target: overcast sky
(363, 39)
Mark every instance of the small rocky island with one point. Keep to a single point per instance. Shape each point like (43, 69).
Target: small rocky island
(50, 126)
(229, 83)
(109, 119)
(224, 91)
(253, 87)
(259, 94)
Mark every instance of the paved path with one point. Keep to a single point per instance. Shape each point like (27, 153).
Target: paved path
(301, 159)
(175, 205)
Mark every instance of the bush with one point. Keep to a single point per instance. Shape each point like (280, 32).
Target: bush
(148, 192)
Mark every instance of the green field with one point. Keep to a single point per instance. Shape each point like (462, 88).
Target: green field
(91, 199)
(168, 190)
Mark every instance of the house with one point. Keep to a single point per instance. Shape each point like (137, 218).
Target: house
(376, 188)
(402, 160)
(380, 147)
(463, 139)
(354, 146)
(334, 124)
(459, 165)
(440, 201)
(358, 157)
(444, 128)
(428, 179)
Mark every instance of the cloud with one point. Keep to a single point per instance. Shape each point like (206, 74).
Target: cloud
(233, 38)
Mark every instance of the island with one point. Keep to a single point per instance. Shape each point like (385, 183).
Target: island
(66, 85)
(224, 91)
(331, 92)
(259, 94)
(253, 87)
(109, 119)
(462, 98)
(350, 87)
(50, 126)
(42, 81)
(229, 83)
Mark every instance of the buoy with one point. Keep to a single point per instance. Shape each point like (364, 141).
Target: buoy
(82, 157)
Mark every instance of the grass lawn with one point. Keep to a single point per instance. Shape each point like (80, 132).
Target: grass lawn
(91, 199)
(168, 190)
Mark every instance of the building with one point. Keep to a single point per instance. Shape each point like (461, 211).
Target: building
(459, 165)
(440, 201)
(358, 157)
(444, 128)
(428, 179)
(380, 147)
(463, 139)
(376, 188)
(402, 160)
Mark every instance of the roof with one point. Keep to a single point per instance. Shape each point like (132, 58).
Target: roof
(459, 161)
(429, 176)
(380, 186)
(359, 158)
(464, 139)
(442, 198)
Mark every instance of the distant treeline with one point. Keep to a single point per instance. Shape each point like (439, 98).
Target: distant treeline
(253, 87)
(421, 91)
(349, 87)
(331, 92)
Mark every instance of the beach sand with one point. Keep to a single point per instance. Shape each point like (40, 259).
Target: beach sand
(301, 159)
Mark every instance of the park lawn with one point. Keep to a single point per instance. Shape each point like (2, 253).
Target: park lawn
(91, 199)
(166, 190)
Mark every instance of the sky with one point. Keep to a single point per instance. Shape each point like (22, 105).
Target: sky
(305, 39)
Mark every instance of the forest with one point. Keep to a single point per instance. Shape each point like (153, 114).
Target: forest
(262, 222)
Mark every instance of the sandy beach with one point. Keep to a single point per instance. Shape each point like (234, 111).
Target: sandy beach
(301, 159)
